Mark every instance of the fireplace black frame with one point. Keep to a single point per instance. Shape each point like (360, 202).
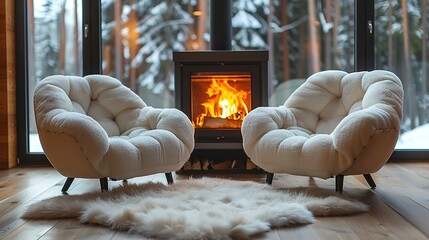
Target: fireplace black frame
(188, 62)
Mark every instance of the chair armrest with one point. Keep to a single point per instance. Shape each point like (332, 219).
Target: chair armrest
(91, 137)
(354, 132)
(264, 119)
(169, 119)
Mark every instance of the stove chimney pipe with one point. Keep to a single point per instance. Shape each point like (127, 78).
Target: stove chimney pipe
(220, 24)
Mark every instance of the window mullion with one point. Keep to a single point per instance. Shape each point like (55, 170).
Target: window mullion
(364, 35)
(91, 32)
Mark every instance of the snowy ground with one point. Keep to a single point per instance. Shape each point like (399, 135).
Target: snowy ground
(35, 143)
(418, 138)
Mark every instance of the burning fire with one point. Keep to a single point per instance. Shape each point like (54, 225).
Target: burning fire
(224, 102)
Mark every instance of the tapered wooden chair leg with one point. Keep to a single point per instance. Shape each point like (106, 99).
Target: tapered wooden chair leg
(169, 177)
(339, 181)
(67, 185)
(104, 185)
(370, 181)
(270, 177)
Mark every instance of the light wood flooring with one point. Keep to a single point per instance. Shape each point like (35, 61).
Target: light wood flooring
(399, 206)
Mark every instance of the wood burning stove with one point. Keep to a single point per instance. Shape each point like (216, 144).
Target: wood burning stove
(216, 89)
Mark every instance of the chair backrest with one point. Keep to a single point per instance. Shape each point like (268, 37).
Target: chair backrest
(103, 98)
(327, 97)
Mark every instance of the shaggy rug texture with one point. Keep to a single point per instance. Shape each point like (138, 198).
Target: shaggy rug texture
(206, 208)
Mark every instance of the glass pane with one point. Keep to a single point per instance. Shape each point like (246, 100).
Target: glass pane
(303, 37)
(401, 47)
(308, 37)
(54, 47)
(138, 39)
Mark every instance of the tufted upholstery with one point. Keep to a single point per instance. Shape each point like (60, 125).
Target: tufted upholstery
(334, 124)
(95, 127)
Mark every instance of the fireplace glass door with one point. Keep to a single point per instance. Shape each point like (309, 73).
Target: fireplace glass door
(220, 100)
(216, 98)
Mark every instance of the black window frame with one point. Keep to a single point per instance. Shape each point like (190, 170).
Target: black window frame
(91, 61)
(364, 60)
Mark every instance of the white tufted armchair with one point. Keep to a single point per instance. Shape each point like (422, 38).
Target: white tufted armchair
(334, 124)
(95, 127)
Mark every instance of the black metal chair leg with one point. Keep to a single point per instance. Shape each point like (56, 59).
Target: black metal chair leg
(270, 177)
(67, 185)
(104, 185)
(370, 181)
(339, 181)
(169, 177)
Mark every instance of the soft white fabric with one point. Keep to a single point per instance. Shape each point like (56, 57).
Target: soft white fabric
(207, 208)
(334, 123)
(94, 127)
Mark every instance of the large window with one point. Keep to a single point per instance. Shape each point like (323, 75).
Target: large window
(401, 47)
(133, 40)
(54, 47)
(138, 38)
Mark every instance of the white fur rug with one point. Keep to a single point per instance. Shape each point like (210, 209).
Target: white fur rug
(207, 208)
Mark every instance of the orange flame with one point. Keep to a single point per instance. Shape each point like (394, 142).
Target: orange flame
(224, 102)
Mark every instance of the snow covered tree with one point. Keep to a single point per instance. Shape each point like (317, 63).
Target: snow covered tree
(249, 24)
(46, 40)
(151, 31)
(399, 46)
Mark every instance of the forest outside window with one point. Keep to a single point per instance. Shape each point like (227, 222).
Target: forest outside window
(401, 43)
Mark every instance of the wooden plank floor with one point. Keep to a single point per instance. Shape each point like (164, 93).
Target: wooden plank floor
(399, 206)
